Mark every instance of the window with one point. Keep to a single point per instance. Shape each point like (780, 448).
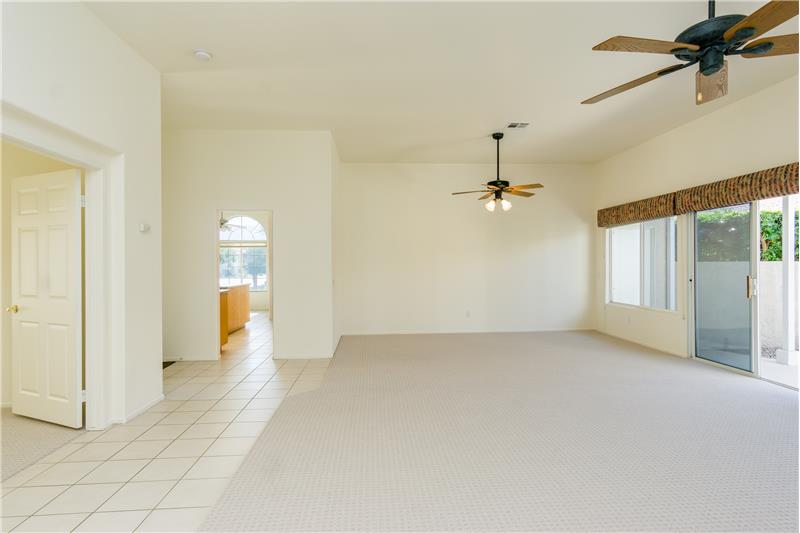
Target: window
(625, 271)
(242, 253)
(642, 263)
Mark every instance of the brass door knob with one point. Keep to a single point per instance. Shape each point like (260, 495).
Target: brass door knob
(13, 309)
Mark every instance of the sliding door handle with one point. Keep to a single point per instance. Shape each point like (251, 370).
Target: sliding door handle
(750, 291)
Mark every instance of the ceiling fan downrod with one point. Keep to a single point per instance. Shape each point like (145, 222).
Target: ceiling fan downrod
(497, 136)
(711, 8)
(499, 183)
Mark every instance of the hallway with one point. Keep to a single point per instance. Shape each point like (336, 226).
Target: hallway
(163, 470)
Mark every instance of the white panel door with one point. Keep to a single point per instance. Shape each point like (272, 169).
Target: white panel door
(46, 321)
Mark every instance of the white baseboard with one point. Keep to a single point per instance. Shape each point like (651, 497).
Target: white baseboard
(644, 344)
(137, 412)
(187, 360)
(288, 357)
(460, 332)
(179, 359)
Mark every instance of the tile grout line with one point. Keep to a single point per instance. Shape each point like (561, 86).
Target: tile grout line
(245, 368)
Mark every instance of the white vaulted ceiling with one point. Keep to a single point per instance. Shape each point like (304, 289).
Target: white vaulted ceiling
(427, 82)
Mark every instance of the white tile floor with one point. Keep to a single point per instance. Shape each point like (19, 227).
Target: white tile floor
(163, 470)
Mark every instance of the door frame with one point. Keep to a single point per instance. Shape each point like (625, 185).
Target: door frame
(786, 293)
(691, 299)
(104, 242)
(218, 212)
(755, 256)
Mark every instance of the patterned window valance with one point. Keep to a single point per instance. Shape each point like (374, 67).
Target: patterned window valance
(769, 183)
(647, 209)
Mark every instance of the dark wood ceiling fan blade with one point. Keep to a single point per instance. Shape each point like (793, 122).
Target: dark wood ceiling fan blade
(468, 192)
(622, 43)
(781, 45)
(527, 186)
(635, 83)
(518, 193)
(709, 88)
(765, 18)
(485, 196)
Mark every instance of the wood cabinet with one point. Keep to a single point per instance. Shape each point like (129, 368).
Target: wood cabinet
(234, 310)
(223, 317)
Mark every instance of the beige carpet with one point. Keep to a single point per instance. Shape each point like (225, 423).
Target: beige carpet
(25, 441)
(520, 432)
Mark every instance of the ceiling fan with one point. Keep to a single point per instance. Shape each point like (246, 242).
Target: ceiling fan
(497, 187)
(707, 43)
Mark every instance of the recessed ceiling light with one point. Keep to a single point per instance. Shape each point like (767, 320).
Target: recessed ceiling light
(202, 55)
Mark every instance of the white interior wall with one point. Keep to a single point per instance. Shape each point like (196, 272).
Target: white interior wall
(15, 161)
(754, 133)
(412, 258)
(61, 64)
(285, 172)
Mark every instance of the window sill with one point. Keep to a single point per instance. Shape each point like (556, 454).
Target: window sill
(643, 308)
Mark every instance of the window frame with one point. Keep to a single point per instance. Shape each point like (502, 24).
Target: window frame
(240, 245)
(671, 271)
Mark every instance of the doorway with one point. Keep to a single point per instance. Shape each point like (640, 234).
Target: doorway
(42, 282)
(244, 272)
(745, 288)
(103, 243)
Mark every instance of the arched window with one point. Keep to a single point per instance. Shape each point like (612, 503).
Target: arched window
(242, 253)
(242, 229)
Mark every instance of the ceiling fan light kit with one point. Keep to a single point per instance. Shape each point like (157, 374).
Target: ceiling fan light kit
(497, 187)
(707, 43)
(709, 88)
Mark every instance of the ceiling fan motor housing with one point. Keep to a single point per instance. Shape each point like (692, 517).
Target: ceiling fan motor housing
(500, 184)
(709, 36)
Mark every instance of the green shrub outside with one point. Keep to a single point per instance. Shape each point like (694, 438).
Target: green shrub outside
(714, 229)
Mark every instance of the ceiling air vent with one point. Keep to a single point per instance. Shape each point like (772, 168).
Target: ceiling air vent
(517, 125)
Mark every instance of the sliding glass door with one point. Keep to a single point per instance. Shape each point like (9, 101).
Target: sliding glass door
(777, 289)
(724, 286)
